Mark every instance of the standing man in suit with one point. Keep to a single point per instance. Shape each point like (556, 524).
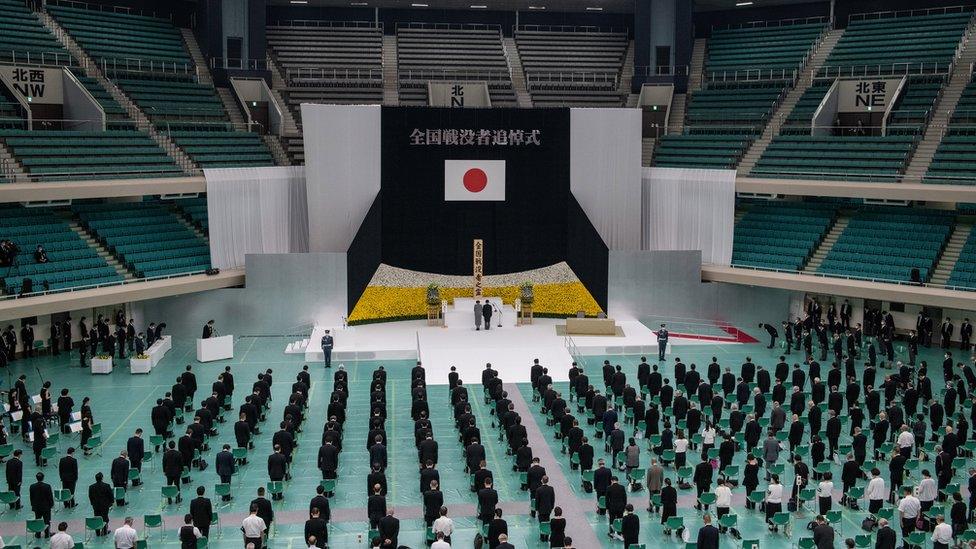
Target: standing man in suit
(100, 497)
(946, 331)
(327, 343)
(708, 537)
(130, 334)
(662, 342)
(42, 501)
(486, 312)
(845, 314)
(68, 471)
(225, 467)
(27, 336)
(965, 334)
(477, 315)
(55, 338)
(208, 330)
(15, 475)
(202, 511)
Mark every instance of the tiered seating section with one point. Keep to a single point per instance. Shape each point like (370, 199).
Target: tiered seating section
(146, 237)
(195, 211)
(887, 243)
(780, 235)
(955, 159)
(147, 59)
(572, 66)
(760, 49)
(72, 262)
(452, 52)
(60, 155)
(24, 39)
(328, 62)
(736, 101)
(827, 156)
(964, 272)
(897, 45)
(913, 107)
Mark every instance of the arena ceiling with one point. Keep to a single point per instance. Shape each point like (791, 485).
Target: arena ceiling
(605, 6)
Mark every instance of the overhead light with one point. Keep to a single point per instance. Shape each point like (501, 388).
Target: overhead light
(299, 1)
(479, 7)
(742, 4)
(358, 3)
(419, 5)
(594, 9)
(537, 7)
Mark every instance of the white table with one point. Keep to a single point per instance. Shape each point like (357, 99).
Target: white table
(101, 365)
(159, 348)
(140, 365)
(215, 348)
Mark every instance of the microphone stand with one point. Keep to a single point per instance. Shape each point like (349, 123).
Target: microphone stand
(497, 310)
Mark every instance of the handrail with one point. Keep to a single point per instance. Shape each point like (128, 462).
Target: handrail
(773, 23)
(136, 64)
(574, 351)
(444, 74)
(650, 70)
(573, 76)
(896, 69)
(571, 28)
(42, 59)
(872, 15)
(107, 7)
(295, 74)
(331, 24)
(100, 285)
(751, 75)
(239, 64)
(447, 26)
(852, 277)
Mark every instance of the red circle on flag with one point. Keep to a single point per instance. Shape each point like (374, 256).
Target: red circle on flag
(475, 180)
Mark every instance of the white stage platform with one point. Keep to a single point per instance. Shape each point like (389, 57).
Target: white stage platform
(510, 349)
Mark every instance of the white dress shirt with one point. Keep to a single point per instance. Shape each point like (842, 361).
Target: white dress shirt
(680, 445)
(62, 540)
(927, 490)
(723, 496)
(906, 439)
(909, 506)
(825, 489)
(445, 525)
(876, 489)
(440, 544)
(942, 534)
(125, 537)
(253, 526)
(774, 493)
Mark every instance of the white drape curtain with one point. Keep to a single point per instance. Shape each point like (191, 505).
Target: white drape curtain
(255, 211)
(690, 209)
(342, 159)
(605, 172)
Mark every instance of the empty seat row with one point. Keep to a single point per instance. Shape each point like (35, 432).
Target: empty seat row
(780, 235)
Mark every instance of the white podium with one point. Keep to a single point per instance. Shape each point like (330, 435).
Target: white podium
(140, 365)
(215, 348)
(101, 365)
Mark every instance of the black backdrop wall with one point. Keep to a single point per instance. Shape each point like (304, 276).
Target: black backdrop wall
(538, 224)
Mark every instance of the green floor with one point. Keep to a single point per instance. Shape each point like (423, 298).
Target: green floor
(121, 403)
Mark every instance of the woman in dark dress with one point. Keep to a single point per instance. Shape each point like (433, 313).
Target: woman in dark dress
(86, 433)
(557, 526)
(669, 501)
(46, 400)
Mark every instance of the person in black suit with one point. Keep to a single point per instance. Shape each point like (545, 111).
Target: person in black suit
(202, 511)
(189, 382)
(208, 330)
(27, 337)
(225, 467)
(136, 447)
(487, 501)
(886, 537)
(277, 468)
(965, 334)
(708, 537)
(316, 529)
(545, 499)
(15, 475)
(120, 474)
(265, 510)
(389, 529)
(376, 506)
(497, 529)
(616, 500)
(320, 502)
(630, 526)
(100, 497)
(68, 472)
(55, 338)
(433, 500)
(823, 534)
(173, 467)
(773, 334)
(486, 313)
(42, 501)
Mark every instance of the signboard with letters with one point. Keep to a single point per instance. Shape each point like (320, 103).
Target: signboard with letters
(457, 94)
(867, 94)
(479, 266)
(36, 84)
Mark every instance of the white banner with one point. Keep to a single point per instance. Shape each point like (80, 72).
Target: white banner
(474, 180)
(690, 209)
(255, 211)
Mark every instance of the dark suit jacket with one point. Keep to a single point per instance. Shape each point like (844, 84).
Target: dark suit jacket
(389, 528)
(68, 469)
(41, 497)
(708, 537)
(318, 528)
(100, 496)
(224, 463)
(265, 510)
(202, 511)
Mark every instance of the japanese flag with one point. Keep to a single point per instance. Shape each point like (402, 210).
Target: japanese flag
(474, 180)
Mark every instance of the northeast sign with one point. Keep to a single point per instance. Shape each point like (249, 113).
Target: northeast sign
(867, 94)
